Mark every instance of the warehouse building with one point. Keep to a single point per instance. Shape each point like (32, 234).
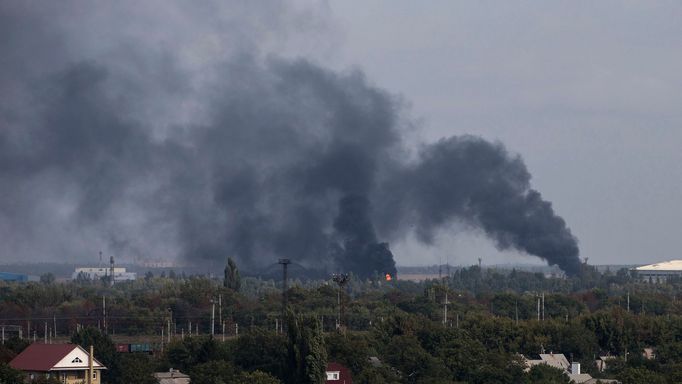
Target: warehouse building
(659, 272)
(7, 276)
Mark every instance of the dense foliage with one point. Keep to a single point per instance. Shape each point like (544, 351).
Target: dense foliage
(390, 332)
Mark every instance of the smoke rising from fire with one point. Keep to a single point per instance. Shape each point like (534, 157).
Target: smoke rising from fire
(256, 157)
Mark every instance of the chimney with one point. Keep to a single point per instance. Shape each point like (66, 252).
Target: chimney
(575, 368)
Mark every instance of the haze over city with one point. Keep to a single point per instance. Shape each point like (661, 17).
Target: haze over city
(112, 117)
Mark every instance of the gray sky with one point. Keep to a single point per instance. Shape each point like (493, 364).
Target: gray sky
(589, 93)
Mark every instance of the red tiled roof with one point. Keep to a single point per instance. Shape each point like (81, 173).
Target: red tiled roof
(41, 357)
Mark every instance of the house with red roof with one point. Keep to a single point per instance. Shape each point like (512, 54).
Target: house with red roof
(337, 374)
(69, 363)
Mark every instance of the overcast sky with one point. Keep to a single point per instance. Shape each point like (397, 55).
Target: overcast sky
(589, 93)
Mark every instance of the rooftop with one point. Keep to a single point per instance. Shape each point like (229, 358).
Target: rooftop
(672, 265)
(48, 357)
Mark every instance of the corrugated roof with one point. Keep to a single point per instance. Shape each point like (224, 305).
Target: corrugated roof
(44, 357)
(672, 265)
(41, 357)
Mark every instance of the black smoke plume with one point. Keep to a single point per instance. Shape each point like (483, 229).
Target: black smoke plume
(252, 157)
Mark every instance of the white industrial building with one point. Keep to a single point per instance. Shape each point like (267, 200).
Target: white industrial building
(659, 272)
(98, 273)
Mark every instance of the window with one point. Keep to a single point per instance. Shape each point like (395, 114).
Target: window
(77, 360)
(333, 375)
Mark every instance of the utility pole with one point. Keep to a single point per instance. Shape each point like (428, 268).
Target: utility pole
(220, 308)
(538, 308)
(91, 363)
(104, 312)
(628, 301)
(45, 333)
(285, 282)
(54, 319)
(111, 262)
(341, 279)
(212, 317)
(543, 306)
(516, 312)
(168, 323)
(445, 309)
(338, 308)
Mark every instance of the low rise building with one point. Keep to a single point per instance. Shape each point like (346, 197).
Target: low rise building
(572, 370)
(556, 360)
(8, 276)
(172, 377)
(659, 272)
(69, 363)
(337, 374)
(96, 273)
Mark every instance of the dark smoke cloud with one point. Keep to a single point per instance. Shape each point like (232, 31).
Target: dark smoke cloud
(471, 180)
(254, 158)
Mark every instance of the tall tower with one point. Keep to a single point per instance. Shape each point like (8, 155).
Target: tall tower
(111, 271)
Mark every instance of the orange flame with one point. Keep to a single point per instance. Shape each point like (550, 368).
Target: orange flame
(388, 277)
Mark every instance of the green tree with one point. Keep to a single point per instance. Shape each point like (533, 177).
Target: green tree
(261, 350)
(9, 375)
(232, 278)
(136, 368)
(406, 354)
(638, 375)
(545, 374)
(349, 349)
(307, 355)
(16, 345)
(47, 278)
(214, 372)
(256, 377)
